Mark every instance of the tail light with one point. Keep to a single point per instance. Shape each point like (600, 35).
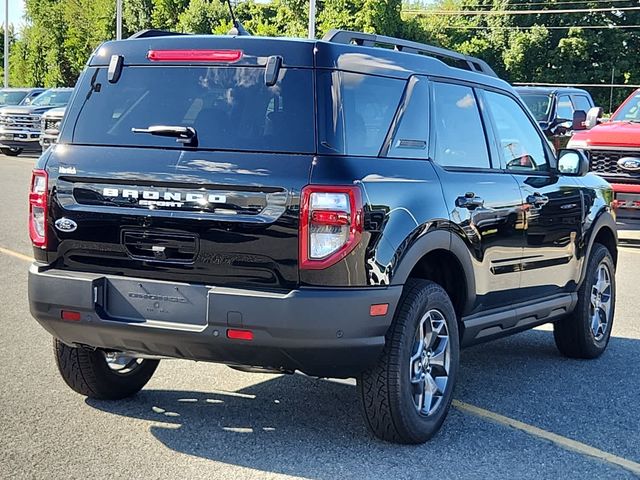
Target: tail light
(330, 224)
(38, 208)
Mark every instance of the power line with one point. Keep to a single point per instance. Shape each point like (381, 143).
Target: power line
(589, 85)
(551, 3)
(518, 12)
(586, 27)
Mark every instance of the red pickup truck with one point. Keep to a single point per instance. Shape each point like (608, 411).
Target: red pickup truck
(613, 147)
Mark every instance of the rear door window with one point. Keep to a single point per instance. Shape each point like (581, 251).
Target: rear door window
(231, 108)
(580, 102)
(460, 135)
(355, 111)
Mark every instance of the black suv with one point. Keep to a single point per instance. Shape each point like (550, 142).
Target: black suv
(331, 207)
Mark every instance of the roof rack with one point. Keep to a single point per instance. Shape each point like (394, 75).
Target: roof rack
(154, 33)
(371, 40)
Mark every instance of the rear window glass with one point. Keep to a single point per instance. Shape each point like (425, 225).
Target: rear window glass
(231, 108)
(538, 104)
(11, 98)
(355, 111)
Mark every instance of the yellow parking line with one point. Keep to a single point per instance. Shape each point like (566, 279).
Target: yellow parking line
(559, 440)
(21, 256)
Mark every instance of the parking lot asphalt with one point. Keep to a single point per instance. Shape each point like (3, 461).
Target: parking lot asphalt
(197, 420)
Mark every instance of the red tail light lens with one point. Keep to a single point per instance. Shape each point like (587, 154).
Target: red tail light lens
(38, 208)
(226, 56)
(330, 224)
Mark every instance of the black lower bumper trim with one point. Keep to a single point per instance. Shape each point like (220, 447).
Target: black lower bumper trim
(320, 332)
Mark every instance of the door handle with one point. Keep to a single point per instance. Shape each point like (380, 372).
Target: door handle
(537, 200)
(469, 201)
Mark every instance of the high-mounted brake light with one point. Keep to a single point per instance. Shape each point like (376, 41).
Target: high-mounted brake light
(38, 208)
(226, 56)
(331, 223)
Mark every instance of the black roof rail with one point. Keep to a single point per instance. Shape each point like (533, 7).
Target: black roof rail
(371, 40)
(154, 33)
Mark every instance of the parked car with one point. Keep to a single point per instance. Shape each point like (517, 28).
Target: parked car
(328, 207)
(613, 148)
(18, 96)
(559, 111)
(20, 125)
(50, 126)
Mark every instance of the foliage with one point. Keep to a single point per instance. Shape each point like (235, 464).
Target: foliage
(59, 35)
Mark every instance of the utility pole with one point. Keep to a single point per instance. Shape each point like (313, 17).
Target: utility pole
(118, 19)
(613, 71)
(312, 19)
(6, 43)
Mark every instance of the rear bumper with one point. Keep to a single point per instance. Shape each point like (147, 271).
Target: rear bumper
(321, 332)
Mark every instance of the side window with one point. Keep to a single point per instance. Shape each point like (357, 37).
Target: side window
(521, 145)
(355, 111)
(460, 138)
(412, 134)
(581, 103)
(564, 110)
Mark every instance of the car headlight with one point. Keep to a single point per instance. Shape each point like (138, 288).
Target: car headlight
(578, 144)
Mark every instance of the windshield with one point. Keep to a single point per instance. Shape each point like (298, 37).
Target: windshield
(539, 105)
(12, 98)
(630, 111)
(230, 108)
(52, 98)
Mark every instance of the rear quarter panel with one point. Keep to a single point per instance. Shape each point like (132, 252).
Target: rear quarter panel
(403, 201)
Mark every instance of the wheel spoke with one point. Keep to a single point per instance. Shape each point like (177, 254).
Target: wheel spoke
(595, 323)
(440, 354)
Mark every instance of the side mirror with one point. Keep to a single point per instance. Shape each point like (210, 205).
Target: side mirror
(593, 117)
(579, 119)
(573, 163)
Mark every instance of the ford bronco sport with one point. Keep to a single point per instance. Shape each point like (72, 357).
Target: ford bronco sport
(330, 207)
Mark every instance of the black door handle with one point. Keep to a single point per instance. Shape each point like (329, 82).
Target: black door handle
(537, 200)
(469, 201)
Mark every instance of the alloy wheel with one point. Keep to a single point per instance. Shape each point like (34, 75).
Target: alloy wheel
(430, 362)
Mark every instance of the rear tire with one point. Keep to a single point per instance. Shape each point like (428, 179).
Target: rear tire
(88, 373)
(406, 396)
(11, 152)
(586, 332)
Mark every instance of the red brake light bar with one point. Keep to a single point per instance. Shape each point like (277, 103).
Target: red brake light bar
(227, 56)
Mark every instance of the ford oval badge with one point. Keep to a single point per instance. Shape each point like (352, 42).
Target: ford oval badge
(66, 225)
(630, 164)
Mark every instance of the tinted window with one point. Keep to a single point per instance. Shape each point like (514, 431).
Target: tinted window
(521, 145)
(412, 135)
(538, 104)
(460, 138)
(564, 110)
(231, 108)
(355, 111)
(580, 102)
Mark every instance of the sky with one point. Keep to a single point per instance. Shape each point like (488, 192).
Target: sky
(16, 10)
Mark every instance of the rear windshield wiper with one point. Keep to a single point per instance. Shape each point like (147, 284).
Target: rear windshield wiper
(186, 135)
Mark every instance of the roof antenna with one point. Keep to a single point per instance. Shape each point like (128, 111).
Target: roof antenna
(238, 29)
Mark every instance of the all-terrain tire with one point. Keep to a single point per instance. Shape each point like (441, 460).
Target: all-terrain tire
(574, 335)
(87, 372)
(385, 391)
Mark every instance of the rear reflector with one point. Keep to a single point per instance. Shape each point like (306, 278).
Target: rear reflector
(379, 310)
(227, 56)
(234, 334)
(70, 316)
